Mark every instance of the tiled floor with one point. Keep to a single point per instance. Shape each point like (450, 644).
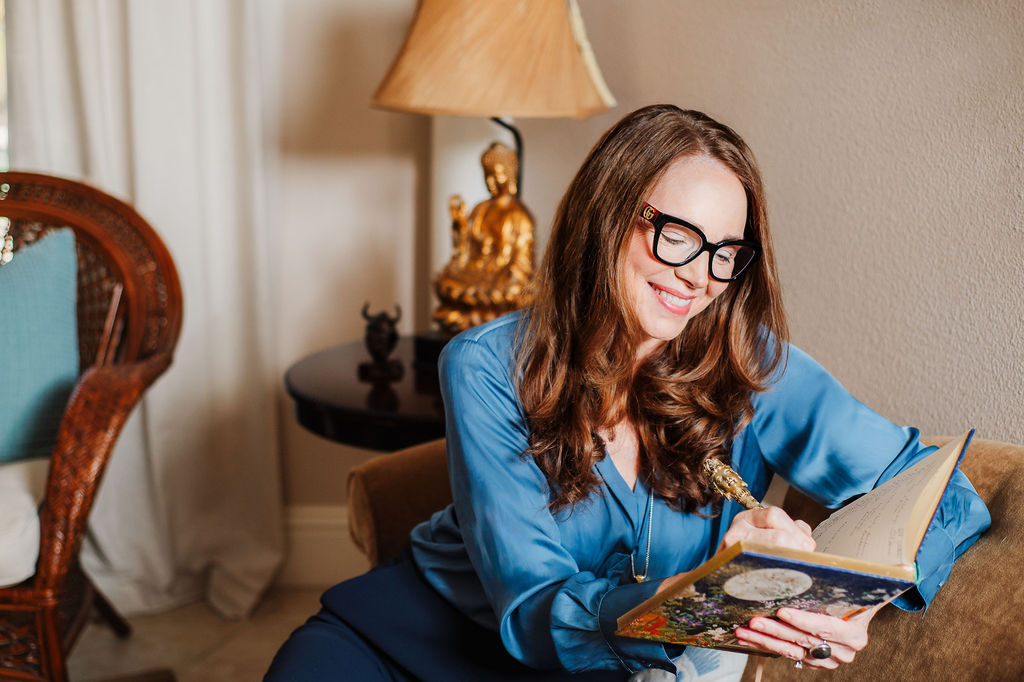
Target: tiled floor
(194, 642)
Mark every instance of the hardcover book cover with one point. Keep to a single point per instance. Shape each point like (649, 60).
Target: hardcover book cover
(756, 584)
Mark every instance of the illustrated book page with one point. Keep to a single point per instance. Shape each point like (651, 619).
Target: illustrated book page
(748, 580)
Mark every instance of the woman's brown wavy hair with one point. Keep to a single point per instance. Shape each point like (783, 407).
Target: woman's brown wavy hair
(688, 398)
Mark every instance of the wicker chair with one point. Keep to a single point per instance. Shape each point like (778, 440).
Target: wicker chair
(129, 317)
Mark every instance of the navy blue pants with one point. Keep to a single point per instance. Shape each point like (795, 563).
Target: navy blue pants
(390, 625)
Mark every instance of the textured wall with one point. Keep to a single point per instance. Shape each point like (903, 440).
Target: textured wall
(891, 137)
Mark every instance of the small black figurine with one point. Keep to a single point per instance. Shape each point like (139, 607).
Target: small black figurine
(381, 338)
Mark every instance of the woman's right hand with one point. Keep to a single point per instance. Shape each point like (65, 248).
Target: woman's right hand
(769, 525)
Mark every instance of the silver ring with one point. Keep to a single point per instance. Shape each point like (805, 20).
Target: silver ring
(798, 665)
(821, 651)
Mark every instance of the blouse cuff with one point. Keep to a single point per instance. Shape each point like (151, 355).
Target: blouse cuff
(960, 519)
(635, 654)
(936, 552)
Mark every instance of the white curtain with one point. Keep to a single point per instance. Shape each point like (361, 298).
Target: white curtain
(162, 104)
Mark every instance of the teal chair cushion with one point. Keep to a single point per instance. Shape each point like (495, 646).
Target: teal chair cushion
(38, 344)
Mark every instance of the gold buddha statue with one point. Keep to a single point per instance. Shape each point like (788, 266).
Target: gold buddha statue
(492, 258)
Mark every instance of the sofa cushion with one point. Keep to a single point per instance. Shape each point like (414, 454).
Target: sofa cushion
(38, 344)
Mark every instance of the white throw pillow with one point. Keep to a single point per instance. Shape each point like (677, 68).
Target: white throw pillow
(22, 486)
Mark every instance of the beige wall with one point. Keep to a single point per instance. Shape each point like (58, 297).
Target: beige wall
(352, 201)
(891, 139)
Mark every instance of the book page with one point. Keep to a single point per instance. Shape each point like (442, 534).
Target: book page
(875, 526)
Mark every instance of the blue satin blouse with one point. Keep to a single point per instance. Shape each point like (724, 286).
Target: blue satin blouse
(553, 585)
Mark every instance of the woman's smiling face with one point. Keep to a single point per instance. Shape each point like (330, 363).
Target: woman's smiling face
(701, 191)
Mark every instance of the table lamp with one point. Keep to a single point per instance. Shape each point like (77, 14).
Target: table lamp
(498, 59)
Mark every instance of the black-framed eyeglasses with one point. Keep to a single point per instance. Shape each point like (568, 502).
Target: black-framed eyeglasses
(677, 242)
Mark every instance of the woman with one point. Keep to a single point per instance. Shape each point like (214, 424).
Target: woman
(577, 433)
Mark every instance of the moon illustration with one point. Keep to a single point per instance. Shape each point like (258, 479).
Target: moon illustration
(767, 584)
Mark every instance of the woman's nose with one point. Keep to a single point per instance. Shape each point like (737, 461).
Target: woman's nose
(695, 273)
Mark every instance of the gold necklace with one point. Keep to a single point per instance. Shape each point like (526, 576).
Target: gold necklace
(650, 531)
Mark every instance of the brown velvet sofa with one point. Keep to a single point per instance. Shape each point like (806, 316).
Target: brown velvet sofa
(972, 630)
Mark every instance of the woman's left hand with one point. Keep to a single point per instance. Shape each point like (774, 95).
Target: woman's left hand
(793, 633)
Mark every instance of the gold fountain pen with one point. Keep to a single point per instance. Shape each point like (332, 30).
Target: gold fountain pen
(729, 484)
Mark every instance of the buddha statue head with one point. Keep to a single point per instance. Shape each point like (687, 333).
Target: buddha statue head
(500, 168)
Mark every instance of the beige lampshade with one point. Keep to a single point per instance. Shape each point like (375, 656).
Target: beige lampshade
(517, 58)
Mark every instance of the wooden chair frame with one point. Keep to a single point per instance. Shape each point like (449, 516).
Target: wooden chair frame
(129, 318)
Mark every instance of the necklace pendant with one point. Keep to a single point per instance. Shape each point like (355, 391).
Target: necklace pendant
(639, 578)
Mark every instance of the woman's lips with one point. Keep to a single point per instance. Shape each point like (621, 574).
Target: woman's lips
(672, 301)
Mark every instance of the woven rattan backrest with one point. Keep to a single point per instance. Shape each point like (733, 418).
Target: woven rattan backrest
(129, 297)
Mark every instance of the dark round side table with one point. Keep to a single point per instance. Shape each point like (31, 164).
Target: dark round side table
(387, 413)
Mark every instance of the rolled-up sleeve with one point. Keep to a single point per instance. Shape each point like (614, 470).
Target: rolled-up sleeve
(834, 448)
(550, 614)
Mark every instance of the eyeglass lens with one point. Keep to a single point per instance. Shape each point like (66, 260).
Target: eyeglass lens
(679, 244)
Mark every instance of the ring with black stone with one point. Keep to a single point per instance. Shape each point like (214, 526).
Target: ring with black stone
(821, 651)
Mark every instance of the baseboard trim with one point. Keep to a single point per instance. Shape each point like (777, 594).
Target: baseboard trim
(319, 551)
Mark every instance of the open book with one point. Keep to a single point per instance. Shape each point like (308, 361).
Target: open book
(865, 556)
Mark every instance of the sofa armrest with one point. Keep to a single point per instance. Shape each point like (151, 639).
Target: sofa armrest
(390, 494)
